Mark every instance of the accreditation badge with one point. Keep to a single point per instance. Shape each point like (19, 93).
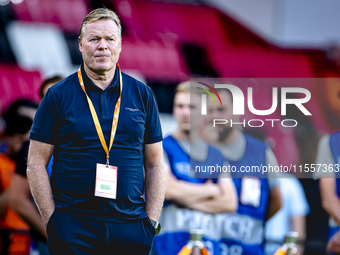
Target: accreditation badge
(251, 191)
(106, 181)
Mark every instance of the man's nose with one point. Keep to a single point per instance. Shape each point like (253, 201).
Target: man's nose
(102, 45)
(213, 113)
(186, 110)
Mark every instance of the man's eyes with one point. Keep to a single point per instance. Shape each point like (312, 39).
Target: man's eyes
(97, 39)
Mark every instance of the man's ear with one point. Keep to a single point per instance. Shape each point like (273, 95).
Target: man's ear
(80, 44)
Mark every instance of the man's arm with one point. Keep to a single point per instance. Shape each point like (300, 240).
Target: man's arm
(329, 198)
(20, 202)
(334, 244)
(275, 201)
(186, 193)
(226, 201)
(39, 155)
(154, 179)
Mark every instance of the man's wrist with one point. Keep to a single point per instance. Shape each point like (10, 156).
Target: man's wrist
(156, 225)
(48, 216)
(151, 217)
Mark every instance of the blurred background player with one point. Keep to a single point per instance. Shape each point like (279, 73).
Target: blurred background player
(21, 213)
(259, 195)
(191, 202)
(49, 82)
(20, 195)
(328, 156)
(291, 216)
(18, 118)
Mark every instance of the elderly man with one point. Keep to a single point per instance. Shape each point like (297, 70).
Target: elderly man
(102, 126)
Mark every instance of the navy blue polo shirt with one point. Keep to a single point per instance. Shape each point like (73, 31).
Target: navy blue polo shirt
(64, 120)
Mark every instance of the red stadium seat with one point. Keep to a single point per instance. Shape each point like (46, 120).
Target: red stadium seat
(249, 62)
(155, 60)
(190, 23)
(67, 14)
(16, 83)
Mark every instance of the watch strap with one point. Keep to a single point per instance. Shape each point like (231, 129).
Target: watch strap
(156, 225)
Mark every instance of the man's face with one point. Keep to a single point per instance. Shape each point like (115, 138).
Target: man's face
(100, 45)
(224, 111)
(184, 106)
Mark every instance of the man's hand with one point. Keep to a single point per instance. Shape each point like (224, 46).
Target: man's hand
(334, 244)
(213, 188)
(185, 193)
(225, 201)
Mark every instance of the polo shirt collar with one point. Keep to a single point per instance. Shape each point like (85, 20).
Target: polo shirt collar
(89, 85)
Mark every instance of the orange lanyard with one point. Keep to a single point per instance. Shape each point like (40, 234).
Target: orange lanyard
(95, 117)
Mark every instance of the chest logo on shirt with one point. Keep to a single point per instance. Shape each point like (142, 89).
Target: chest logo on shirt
(131, 109)
(251, 191)
(183, 168)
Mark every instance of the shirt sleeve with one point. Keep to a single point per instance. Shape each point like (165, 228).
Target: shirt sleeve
(271, 160)
(166, 158)
(45, 126)
(299, 205)
(226, 174)
(21, 160)
(324, 156)
(153, 130)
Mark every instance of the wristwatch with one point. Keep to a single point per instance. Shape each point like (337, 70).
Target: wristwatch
(156, 225)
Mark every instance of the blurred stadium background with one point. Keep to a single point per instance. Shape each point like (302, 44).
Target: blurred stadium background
(169, 41)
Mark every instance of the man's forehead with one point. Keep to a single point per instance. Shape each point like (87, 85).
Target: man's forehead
(195, 97)
(225, 98)
(106, 26)
(225, 95)
(181, 101)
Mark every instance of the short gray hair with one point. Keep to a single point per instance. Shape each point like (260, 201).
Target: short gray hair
(188, 87)
(100, 14)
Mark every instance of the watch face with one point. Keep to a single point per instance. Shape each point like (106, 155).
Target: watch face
(158, 228)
